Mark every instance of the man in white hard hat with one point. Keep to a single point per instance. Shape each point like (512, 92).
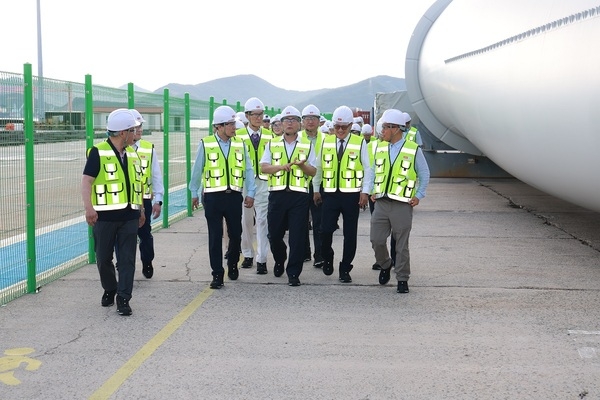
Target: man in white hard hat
(266, 122)
(395, 198)
(410, 128)
(153, 194)
(256, 137)
(355, 129)
(276, 126)
(289, 162)
(367, 132)
(310, 120)
(114, 208)
(343, 155)
(221, 183)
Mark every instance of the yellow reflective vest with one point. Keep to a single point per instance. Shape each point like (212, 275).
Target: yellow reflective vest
(145, 153)
(347, 174)
(109, 189)
(397, 181)
(223, 173)
(255, 155)
(295, 180)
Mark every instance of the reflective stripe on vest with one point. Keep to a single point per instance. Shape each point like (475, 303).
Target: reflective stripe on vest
(109, 189)
(398, 181)
(295, 179)
(220, 173)
(347, 174)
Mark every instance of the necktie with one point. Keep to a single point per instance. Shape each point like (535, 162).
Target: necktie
(255, 139)
(341, 149)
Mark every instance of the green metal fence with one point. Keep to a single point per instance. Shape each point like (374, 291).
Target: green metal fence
(46, 127)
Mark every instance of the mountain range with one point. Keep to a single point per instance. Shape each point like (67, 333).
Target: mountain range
(360, 95)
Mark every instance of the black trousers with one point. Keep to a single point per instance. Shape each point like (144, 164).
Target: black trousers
(145, 235)
(288, 209)
(109, 235)
(219, 206)
(315, 213)
(334, 204)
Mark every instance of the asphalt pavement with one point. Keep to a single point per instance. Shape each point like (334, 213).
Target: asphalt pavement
(503, 304)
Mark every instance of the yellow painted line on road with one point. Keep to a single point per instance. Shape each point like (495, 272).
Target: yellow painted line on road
(115, 381)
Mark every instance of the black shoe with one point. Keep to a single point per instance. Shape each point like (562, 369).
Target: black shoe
(327, 268)
(108, 298)
(123, 306)
(233, 272)
(247, 263)
(307, 258)
(293, 281)
(217, 282)
(345, 277)
(278, 269)
(148, 270)
(261, 268)
(402, 287)
(384, 275)
(318, 261)
(376, 267)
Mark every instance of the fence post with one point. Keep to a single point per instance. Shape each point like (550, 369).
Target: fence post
(89, 142)
(188, 156)
(167, 116)
(29, 177)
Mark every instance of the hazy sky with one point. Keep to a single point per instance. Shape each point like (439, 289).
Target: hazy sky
(303, 45)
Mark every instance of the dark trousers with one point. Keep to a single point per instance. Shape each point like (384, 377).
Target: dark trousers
(334, 204)
(219, 206)
(288, 210)
(145, 235)
(109, 235)
(315, 212)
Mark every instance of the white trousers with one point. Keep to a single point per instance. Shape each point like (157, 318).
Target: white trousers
(258, 212)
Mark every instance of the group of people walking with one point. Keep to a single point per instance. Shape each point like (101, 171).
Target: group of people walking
(285, 179)
(274, 180)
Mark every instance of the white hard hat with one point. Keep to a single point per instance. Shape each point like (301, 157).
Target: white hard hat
(242, 117)
(223, 114)
(379, 126)
(266, 118)
(322, 119)
(367, 129)
(407, 116)
(324, 128)
(358, 120)
(254, 104)
(239, 124)
(311, 109)
(120, 120)
(137, 115)
(276, 118)
(290, 111)
(355, 128)
(342, 115)
(393, 116)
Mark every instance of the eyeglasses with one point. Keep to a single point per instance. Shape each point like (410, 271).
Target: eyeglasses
(389, 126)
(229, 123)
(289, 120)
(276, 124)
(256, 114)
(342, 127)
(310, 118)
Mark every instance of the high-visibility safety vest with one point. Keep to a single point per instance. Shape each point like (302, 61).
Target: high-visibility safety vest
(223, 173)
(345, 175)
(145, 153)
(295, 180)
(109, 189)
(255, 155)
(398, 181)
(318, 141)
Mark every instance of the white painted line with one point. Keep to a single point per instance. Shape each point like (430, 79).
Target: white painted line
(576, 332)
